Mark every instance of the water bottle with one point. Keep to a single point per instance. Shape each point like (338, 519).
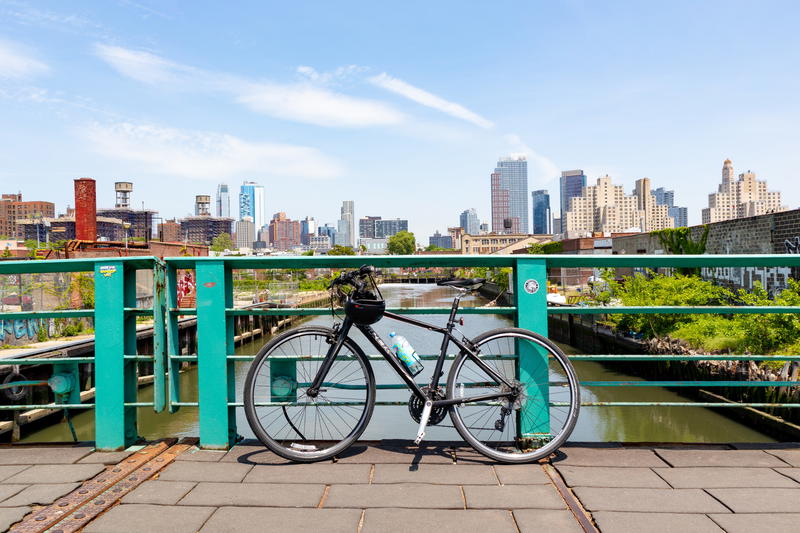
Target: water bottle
(405, 352)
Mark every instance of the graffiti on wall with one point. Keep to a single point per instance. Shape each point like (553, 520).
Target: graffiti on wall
(19, 329)
(773, 279)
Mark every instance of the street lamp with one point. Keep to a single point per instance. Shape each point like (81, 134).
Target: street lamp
(126, 226)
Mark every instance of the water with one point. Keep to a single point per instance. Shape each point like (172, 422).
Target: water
(595, 424)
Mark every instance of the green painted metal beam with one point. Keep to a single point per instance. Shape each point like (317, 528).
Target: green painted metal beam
(350, 262)
(681, 404)
(63, 313)
(173, 346)
(530, 292)
(159, 336)
(303, 311)
(115, 424)
(673, 309)
(69, 265)
(699, 383)
(679, 358)
(214, 330)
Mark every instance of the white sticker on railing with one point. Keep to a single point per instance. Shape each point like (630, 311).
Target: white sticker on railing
(531, 286)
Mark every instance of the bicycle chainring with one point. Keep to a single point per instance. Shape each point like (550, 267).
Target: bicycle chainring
(415, 407)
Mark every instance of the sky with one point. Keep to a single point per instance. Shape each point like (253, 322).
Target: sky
(402, 107)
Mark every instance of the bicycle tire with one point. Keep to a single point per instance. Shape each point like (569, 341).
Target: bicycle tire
(463, 427)
(273, 442)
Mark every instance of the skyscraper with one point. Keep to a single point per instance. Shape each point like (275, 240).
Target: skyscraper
(667, 198)
(542, 217)
(251, 203)
(308, 228)
(245, 233)
(346, 229)
(223, 201)
(572, 184)
(469, 221)
(509, 185)
(745, 197)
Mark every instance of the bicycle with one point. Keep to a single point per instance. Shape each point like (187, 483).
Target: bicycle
(310, 392)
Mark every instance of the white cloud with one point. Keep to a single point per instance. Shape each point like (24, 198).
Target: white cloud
(141, 66)
(206, 155)
(325, 78)
(427, 99)
(301, 102)
(17, 63)
(546, 170)
(313, 105)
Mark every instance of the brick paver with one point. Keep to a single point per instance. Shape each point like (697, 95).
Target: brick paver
(616, 522)
(765, 500)
(203, 471)
(708, 477)
(747, 523)
(11, 515)
(282, 520)
(435, 474)
(649, 500)
(604, 476)
(326, 473)
(139, 518)
(43, 455)
(732, 458)
(39, 494)
(56, 473)
(791, 457)
(513, 497)
(405, 496)
(254, 494)
(438, 520)
(793, 473)
(541, 520)
(521, 475)
(615, 457)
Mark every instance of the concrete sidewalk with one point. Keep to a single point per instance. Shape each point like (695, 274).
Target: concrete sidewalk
(394, 487)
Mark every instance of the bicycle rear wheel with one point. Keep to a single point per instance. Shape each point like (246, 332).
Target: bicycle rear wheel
(285, 419)
(532, 425)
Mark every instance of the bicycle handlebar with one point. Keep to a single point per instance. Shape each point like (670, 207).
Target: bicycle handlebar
(353, 277)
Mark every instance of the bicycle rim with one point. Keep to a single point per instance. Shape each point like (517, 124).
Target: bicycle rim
(538, 421)
(294, 425)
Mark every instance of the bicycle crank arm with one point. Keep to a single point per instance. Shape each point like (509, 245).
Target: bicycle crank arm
(423, 421)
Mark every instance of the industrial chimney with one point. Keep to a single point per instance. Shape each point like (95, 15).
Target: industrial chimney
(85, 209)
(123, 190)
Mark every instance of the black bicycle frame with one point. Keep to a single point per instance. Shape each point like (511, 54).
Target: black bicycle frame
(400, 368)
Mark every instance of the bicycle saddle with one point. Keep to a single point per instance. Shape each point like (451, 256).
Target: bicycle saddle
(471, 284)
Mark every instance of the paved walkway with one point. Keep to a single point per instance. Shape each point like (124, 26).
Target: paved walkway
(393, 487)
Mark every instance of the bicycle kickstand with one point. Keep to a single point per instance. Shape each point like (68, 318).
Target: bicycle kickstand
(423, 421)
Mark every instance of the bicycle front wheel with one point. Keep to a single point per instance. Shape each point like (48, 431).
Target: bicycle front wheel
(533, 423)
(285, 419)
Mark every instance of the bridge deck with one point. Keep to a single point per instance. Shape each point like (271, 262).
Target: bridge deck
(390, 486)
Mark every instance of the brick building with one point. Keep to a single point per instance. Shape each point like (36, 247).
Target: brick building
(13, 208)
(284, 233)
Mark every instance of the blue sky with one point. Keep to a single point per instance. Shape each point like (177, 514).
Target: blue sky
(401, 107)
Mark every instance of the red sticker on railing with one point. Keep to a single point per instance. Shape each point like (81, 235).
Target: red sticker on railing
(209, 284)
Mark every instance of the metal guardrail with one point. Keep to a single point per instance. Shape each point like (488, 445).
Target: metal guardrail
(115, 327)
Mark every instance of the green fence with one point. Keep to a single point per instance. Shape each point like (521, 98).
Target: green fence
(115, 328)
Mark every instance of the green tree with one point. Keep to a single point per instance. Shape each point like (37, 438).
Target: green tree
(341, 250)
(434, 248)
(402, 243)
(222, 242)
(547, 248)
(678, 241)
(309, 252)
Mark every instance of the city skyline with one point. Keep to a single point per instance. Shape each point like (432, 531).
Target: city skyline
(180, 99)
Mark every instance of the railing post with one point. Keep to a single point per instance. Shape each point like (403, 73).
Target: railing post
(530, 290)
(115, 336)
(173, 338)
(159, 336)
(214, 341)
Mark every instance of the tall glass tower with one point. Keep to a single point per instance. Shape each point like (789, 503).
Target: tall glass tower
(542, 219)
(346, 226)
(572, 184)
(469, 221)
(251, 203)
(510, 195)
(223, 201)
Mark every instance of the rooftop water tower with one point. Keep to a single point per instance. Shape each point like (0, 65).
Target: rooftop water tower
(202, 205)
(123, 190)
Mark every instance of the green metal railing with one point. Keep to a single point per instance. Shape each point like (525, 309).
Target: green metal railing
(115, 328)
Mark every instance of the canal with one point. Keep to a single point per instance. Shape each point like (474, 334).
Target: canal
(595, 424)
